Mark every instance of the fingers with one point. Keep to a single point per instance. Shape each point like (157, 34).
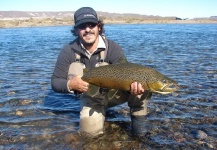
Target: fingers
(133, 88)
(82, 86)
(78, 84)
(140, 89)
(136, 88)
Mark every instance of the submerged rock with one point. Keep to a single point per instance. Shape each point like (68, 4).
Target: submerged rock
(199, 134)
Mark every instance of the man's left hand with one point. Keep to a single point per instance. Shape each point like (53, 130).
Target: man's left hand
(136, 88)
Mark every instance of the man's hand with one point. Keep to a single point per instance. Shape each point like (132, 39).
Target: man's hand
(76, 83)
(136, 88)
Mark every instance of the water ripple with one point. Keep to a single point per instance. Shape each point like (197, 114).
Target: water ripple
(32, 113)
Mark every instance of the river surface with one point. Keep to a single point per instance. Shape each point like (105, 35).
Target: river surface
(32, 116)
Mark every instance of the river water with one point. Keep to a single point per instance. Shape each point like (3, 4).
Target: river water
(32, 116)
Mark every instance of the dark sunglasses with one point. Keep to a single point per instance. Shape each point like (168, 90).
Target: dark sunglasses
(85, 25)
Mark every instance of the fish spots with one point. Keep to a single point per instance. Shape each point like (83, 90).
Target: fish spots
(120, 76)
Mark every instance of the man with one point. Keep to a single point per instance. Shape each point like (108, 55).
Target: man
(91, 49)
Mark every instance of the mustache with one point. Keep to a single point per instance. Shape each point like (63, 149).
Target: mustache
(86, 33)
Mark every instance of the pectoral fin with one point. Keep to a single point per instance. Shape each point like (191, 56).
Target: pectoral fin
(113, 93)
(93, 90)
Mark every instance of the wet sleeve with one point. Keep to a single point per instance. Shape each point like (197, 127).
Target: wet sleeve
(59, 78)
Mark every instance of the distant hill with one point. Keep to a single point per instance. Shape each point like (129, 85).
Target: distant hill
(213, 17)
(7, 15)
(25, 14)
(4, 15)
(30, 19)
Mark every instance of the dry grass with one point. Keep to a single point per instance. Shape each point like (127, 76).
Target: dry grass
(69, 21)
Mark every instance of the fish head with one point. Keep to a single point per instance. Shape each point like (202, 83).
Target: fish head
(165, 86)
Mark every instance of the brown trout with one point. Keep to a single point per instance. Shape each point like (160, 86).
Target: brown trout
(120, 77)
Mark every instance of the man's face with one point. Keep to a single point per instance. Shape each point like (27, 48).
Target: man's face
(88, 33)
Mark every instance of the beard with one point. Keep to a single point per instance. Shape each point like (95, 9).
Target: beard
(88, 38)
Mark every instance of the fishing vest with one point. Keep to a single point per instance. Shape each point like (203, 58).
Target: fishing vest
(102, 55)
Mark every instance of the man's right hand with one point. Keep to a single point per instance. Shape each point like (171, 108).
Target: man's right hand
(76, 83)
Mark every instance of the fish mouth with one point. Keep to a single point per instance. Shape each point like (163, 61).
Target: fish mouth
(169, 88)
(165, 88)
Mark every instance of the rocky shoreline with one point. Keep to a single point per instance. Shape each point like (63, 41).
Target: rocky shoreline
(30, 22)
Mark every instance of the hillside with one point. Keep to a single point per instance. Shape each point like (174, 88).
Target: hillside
(26, 19)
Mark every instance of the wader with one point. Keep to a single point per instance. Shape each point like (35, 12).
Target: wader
(93, 108)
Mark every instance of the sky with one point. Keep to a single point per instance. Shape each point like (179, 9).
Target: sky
(165, 8)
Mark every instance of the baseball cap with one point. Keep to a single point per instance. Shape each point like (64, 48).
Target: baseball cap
(85, 14)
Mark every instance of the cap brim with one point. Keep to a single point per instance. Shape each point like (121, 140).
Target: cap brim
(85, 21)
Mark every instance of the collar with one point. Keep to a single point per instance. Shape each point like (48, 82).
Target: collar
(100, 45)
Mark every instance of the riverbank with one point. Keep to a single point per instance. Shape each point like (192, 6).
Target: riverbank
(14, 23)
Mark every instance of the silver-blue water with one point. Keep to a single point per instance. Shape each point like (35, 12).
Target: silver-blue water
(32, 116)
